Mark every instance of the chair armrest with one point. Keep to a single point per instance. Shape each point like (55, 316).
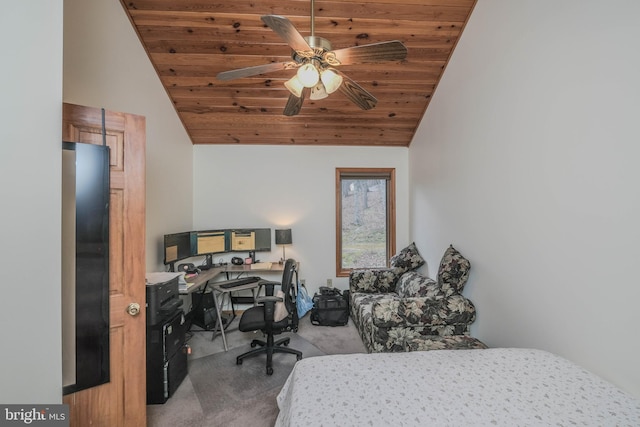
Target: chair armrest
(421, 311)
(269, 303)
(268, 299)
(268, 291)
(373, 280)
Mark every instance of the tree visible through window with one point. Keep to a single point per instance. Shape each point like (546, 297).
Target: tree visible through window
(365, 218)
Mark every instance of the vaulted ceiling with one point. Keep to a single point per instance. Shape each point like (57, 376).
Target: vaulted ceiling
(190, 41)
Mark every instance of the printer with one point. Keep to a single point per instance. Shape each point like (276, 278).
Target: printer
(163, 297)
(166, 348)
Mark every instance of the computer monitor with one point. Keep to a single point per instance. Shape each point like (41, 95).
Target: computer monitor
(208, 243)
(263, 240)
(251, 239)
(242, 240)
(177, 246)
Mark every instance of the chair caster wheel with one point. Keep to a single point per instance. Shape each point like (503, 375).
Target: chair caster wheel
(269, 371)
(253, 344)
(239, 362)
(299, 357)
(286, 343)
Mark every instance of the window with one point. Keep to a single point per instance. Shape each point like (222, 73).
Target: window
(365, 218)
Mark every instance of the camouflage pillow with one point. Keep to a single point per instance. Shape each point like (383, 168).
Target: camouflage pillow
(414, 284)
(373, 280)
(407, 259)
(454, 270)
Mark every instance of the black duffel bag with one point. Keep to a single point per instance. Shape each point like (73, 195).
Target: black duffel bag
(330, 307)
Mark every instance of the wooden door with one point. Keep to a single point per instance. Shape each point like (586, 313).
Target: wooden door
(122, 401)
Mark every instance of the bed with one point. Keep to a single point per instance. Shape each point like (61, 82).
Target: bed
(493, 387)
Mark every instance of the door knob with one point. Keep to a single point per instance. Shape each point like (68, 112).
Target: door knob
(133, 309)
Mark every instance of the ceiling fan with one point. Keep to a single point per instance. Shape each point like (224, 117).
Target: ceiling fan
(315, 62)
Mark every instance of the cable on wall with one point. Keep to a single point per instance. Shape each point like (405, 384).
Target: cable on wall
(104, 130)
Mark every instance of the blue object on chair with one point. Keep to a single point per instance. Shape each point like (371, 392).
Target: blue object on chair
(304, 302)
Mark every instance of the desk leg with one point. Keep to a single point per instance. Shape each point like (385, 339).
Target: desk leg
(219, 322)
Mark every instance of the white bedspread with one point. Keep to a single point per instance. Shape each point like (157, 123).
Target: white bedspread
(493, 387)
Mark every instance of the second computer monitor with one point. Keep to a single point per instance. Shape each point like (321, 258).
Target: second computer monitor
(254, 239)
(209, 242)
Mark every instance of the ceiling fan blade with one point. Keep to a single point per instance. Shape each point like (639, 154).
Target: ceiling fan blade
(255, 70)
(376, 52)
(294, 104)
(357, 94)
(285, 29)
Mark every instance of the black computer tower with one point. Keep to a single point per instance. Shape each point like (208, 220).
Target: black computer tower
(166, 357)
(203, 310)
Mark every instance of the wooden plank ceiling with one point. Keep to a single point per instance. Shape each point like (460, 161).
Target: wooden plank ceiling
(190, 41)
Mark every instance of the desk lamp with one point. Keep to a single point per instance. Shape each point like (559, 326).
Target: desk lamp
(283, 237)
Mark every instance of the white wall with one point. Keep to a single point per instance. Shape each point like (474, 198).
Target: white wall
(527, 161)
(106, 66)
(30, 167)
(288, 187)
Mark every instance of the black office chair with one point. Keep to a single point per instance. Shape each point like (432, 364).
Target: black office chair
(261, 317)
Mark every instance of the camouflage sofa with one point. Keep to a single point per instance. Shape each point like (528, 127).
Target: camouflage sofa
(398, 309)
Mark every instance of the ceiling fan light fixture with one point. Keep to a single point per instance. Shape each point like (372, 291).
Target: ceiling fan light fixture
(294, 85)
(331, 80)
(314, 59)
(318, 92)
(308, 75)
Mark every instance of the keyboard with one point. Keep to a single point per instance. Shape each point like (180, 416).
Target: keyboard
(237, 282)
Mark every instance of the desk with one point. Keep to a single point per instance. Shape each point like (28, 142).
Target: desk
(203, 278)
(201, 282)
(218, 291)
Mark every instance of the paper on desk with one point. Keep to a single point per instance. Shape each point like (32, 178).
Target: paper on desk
(261, 266)
(165, 276)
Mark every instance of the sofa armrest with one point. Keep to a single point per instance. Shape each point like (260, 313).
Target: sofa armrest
(371, 281)
(421, 311)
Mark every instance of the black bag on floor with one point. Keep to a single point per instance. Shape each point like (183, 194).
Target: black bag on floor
(330, 307)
